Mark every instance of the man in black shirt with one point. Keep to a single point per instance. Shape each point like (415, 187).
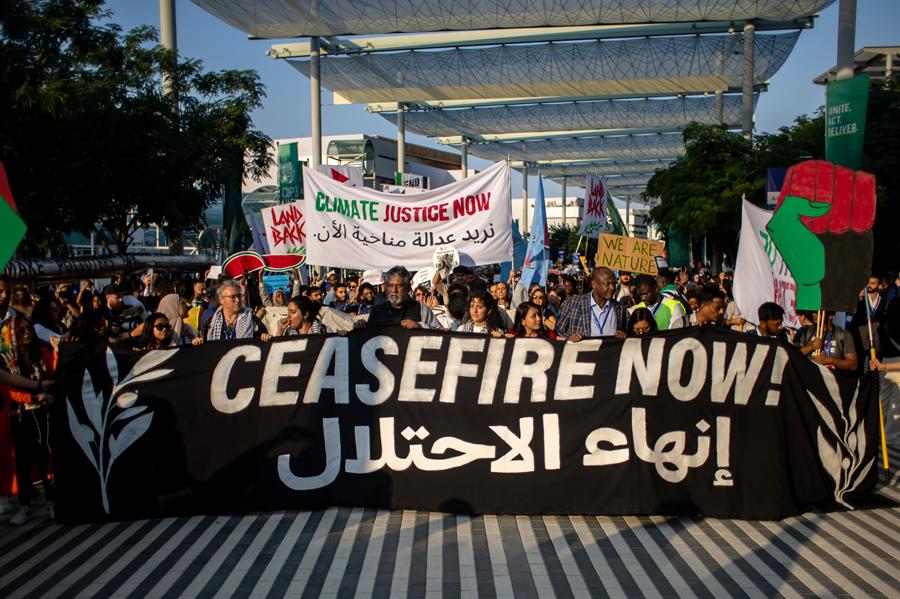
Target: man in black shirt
(400, 308)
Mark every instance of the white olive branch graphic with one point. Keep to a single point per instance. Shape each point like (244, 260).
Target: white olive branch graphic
(844, 460)
(99, 444)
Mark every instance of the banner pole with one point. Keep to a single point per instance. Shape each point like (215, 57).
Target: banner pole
(884, 452)
(820, 327)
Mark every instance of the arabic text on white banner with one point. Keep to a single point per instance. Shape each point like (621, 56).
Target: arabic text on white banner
(368, 229)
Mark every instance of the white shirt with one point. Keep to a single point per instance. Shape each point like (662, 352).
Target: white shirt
(603, 320)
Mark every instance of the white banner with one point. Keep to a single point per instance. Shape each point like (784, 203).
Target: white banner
(363, 228)
(348, 175)
(596, 196)
(285, 228)
(760, 274)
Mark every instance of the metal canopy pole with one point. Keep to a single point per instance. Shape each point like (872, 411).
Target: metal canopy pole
(846, 39)
(628, 215)
(168, 36)
(401, 142)
(464, 162)
(315, 102)
(747, 87)
(525, 199)
(564, 200)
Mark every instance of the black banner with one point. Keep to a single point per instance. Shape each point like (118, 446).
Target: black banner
(693, 421)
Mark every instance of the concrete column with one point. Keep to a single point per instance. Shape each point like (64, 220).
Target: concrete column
(401, 141)
(888, 65)
(747, 87)
(720, 102)
(464, 162)
(846, 38)
(524, 200)
(315, 102)
(564, 201)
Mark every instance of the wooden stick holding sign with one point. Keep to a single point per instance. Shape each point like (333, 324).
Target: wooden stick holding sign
(884, 451)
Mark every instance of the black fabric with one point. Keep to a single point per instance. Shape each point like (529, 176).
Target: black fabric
(384, 314)
(691, 421)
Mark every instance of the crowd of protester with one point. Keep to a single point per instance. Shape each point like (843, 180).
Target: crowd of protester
(157, 311)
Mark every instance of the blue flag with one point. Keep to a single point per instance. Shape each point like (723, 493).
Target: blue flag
(537, 256)
(519, 247)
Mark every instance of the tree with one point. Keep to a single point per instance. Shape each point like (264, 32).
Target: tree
(881, 157)
(700, 192)
(563, 237)
(91, 141)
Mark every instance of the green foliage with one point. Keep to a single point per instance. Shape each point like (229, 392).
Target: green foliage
(881, 157)
(91, 140)
(701, 192)
(563, 237)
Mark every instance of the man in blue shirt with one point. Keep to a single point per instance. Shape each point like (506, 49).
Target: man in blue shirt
(594, 314)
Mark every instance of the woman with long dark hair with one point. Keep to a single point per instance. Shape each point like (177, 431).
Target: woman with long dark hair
(529, 321)
(484, 316)
(155, 334)
(302, 318)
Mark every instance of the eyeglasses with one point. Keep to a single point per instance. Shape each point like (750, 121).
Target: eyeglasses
(235, 296)
(162, 327)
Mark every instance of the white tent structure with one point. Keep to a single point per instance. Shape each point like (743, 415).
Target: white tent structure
(570, 87)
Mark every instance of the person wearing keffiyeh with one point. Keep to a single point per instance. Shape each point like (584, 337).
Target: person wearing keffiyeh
(231, 320)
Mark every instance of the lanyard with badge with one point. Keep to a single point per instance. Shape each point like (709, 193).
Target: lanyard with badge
(601, 324)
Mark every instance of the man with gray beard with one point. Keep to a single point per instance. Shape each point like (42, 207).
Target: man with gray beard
(400, 308)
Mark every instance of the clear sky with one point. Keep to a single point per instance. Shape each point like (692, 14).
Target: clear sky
(286, 110)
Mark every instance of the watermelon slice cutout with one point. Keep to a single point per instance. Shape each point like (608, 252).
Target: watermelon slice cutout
(283, 262)
(241, 262)
(250, 261)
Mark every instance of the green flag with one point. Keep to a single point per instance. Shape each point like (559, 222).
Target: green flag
(12, 230)
(845, 120)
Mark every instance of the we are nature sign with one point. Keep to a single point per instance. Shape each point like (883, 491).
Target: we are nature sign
(693, 421)
(358, 227)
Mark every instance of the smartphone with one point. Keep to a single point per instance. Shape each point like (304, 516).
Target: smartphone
(150, 271)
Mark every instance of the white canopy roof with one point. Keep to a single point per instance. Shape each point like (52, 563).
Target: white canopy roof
(684, 64)
(301, 18)
(627, 147)
(572, 116)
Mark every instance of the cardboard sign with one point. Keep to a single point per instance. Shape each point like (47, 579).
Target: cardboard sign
(630, 254)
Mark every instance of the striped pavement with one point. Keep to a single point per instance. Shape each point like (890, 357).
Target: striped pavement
(346, 552)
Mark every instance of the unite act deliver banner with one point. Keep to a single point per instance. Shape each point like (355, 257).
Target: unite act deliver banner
(692, 421)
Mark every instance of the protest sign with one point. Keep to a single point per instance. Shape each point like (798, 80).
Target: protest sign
(285, 228)
(846, 103)
(691, 421)
(273, 315)
(630, 254)
(12, 227)
(822, 228)
(596, 198)
(289, 176)
(760, 274)
(363, 228)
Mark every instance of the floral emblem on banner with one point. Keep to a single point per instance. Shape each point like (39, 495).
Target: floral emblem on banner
(841, 444)
(113, 409)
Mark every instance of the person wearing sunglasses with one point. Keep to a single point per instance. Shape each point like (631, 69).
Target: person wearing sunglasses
(155, 334)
